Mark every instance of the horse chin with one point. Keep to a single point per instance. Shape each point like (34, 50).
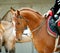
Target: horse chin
(18, 40)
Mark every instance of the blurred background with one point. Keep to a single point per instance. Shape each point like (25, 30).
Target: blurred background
(41, 6)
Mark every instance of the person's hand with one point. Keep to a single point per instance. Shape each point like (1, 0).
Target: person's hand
(46, 15)
(49, 13)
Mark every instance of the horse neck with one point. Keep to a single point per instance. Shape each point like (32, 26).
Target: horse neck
(34, 19)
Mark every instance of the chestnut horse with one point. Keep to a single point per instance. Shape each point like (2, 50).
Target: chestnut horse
(43, 42)
(7, 36)
(19, 29)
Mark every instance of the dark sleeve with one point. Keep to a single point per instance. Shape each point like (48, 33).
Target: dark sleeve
(55, 7)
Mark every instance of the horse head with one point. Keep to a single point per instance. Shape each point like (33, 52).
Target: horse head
(19, 23)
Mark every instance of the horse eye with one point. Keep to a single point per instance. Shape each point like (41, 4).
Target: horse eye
(19, 23)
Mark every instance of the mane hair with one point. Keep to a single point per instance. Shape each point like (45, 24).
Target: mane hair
(30, 9)
(5, 14)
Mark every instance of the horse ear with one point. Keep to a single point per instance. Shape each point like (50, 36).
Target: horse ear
(18, 12)
(12, 10)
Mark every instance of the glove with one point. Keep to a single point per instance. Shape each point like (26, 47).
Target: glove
(46, 15)
(49, 13)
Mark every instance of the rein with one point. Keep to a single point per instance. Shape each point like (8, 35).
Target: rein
(40, 26)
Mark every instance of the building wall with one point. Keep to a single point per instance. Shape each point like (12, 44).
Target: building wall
(41, 6)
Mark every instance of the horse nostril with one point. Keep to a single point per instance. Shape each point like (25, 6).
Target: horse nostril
(19, 39)
(18, 23)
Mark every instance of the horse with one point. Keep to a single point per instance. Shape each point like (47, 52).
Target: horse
(20, 38)
(20, 30)
(7, 36)
(43, 42)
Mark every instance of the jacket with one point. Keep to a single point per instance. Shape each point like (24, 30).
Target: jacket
(56, 7)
